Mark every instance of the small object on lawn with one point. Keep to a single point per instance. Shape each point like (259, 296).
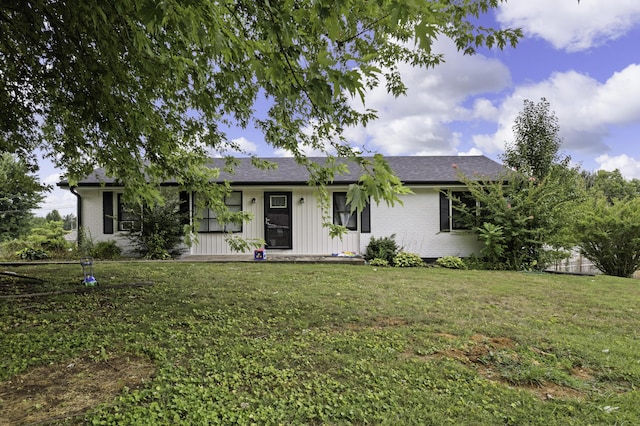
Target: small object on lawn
(87, 271)
(260, 254)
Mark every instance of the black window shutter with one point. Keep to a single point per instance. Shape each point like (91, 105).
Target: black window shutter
(184, 207)
(444, 212)
(365, 220)
(107, 212)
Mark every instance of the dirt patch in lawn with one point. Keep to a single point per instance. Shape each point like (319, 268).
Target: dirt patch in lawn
(67, 390)
(477, 354)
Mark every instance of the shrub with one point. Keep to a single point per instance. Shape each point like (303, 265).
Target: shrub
(105, 250)
(407, 260)
(382, 248)
(474, 262)
(451, 262)
(378, 262)
(494, 244)
(49, 236)
(158, 234)
(30, 253)
(155, 248)
(9, 249)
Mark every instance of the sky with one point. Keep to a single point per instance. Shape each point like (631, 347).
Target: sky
(584, 59)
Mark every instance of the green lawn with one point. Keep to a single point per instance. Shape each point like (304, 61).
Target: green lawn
(273, 343)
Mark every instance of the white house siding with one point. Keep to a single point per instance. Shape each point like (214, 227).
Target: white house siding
(92, 217)
(416, 226)
(308, 234)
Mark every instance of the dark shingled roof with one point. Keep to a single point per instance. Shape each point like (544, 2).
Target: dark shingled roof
(410, 170)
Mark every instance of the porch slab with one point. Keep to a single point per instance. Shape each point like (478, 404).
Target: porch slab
(274, 258)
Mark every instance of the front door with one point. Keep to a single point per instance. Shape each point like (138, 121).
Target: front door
(277, 220)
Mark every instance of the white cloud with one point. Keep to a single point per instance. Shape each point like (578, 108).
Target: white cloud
(58, 199)
(418, 122)
(245, 145)
(307, 151)
(485, 110)
(585, 108)
(472, 151)
(571, 26)
(629, 167)
(52, 179)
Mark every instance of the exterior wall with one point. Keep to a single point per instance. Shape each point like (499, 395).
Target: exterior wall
(308, 234)
(92, 217)
(416, 225)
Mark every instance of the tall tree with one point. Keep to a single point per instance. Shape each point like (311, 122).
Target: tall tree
(524, 219)
(53, 216)
(536, 144)
(611, 184)
(147, 88)
(20, 193)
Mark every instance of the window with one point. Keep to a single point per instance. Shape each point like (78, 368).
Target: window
(127, 217)
(342, 214)
(278, 201)
(209, 221)
(451, 219)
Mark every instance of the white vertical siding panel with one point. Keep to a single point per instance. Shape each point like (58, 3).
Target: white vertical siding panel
(92, 217)
(416, 225)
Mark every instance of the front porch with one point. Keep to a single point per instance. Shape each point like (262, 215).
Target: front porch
(276, 257)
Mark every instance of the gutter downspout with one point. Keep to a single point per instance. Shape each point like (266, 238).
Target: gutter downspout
(78, 214)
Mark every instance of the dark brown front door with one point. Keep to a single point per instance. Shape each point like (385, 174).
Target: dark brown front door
(277, 220)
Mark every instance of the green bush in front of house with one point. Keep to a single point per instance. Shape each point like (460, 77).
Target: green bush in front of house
(451, 262)
(158, 234)
(407, 260)
(106, 250)
(379, 262)
(384, 248)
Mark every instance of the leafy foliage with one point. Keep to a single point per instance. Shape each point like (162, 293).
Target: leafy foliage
(29, 253)
(53, 216)
(146, 89)
(49, 236)
(407, 260)
(609, 234)
(159, 231)
(384, 248)
(492, 236)
(20, 193)
(524, 219)
(379, 262)
(611, 184)
(536, 143)
(451, 262)
(106, 250)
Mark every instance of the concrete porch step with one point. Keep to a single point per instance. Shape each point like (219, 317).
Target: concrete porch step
(274, 258)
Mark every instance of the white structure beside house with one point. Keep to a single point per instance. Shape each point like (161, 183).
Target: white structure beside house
(287, 216)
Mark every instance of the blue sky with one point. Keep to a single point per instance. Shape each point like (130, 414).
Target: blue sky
(583, 58)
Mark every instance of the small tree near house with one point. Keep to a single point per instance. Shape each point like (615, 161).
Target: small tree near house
(158, 232)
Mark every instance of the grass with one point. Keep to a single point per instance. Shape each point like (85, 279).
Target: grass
(270, 343)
